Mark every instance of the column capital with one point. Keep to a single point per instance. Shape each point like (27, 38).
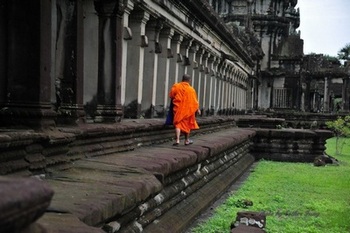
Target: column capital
(155, 24)
(194, 47)
(167, 32)
(177, 38)
(187, 42)
(108, 7)
(140, 16)
(128, 6)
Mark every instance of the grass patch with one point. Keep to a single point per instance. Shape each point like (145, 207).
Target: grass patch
(296, 197)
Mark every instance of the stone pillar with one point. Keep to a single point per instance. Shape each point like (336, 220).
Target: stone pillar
(225, 88)
(127, 36)
(256, 94)
(250, 92)
(26, 96)
(235, 91)
(211, 83)
(135, 64)
(120, 33)
(195, 65)
(164, 67)
(198, 82)
(238, 91)
(206, 83)
(106, 110)
(215, 86)
(230, 101)
(150, 74)
(222, 88)
(326, 96)
(69, 63)
(231, 97)
(185, 47)
(245, 93)
(229, 92)
(3, 55)
(176, 58)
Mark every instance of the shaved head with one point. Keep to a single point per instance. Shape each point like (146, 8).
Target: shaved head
(186, 78)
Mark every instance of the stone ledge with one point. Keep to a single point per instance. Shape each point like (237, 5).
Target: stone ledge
(125, 186)
(290, 145)
(26, 152)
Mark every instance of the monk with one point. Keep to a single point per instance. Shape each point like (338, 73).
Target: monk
(186, 106)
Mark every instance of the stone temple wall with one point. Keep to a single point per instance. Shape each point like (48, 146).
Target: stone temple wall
(78, 62)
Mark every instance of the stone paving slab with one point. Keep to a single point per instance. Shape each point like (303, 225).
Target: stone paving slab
(156, 160)
(61, 223)
(97, 191)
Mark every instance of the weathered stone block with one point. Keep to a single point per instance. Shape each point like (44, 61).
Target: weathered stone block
(23, 200)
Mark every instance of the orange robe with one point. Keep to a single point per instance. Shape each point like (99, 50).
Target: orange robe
(185, 106)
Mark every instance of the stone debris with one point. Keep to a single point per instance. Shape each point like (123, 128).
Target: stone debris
(249, 222)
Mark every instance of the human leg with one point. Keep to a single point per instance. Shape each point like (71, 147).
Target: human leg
(187, 136)
(188, 141)
(177, 136)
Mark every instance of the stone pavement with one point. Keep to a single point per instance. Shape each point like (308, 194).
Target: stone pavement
(146, 189)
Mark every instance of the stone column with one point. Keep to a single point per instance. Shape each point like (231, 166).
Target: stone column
(69, 63)
(122, 13)
(206, 83)
(228, 92)
(238, 92)
(150, 74)
(225, 88)
(236, 103)
(26, 98)
(224, 91)
(185, 47)
(222, 88)
(215, 85)
(176, 58)
(210, 92)
(106, 110)
(250, 93)
(231, 97)
(127, 36)
(194, 64)
(3, 55)
(135, 64)
(326, 96)
(198, 82)
(245, 93)
(164, 68)
(230, 100)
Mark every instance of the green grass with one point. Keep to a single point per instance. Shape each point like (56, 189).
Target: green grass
(296, 197)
